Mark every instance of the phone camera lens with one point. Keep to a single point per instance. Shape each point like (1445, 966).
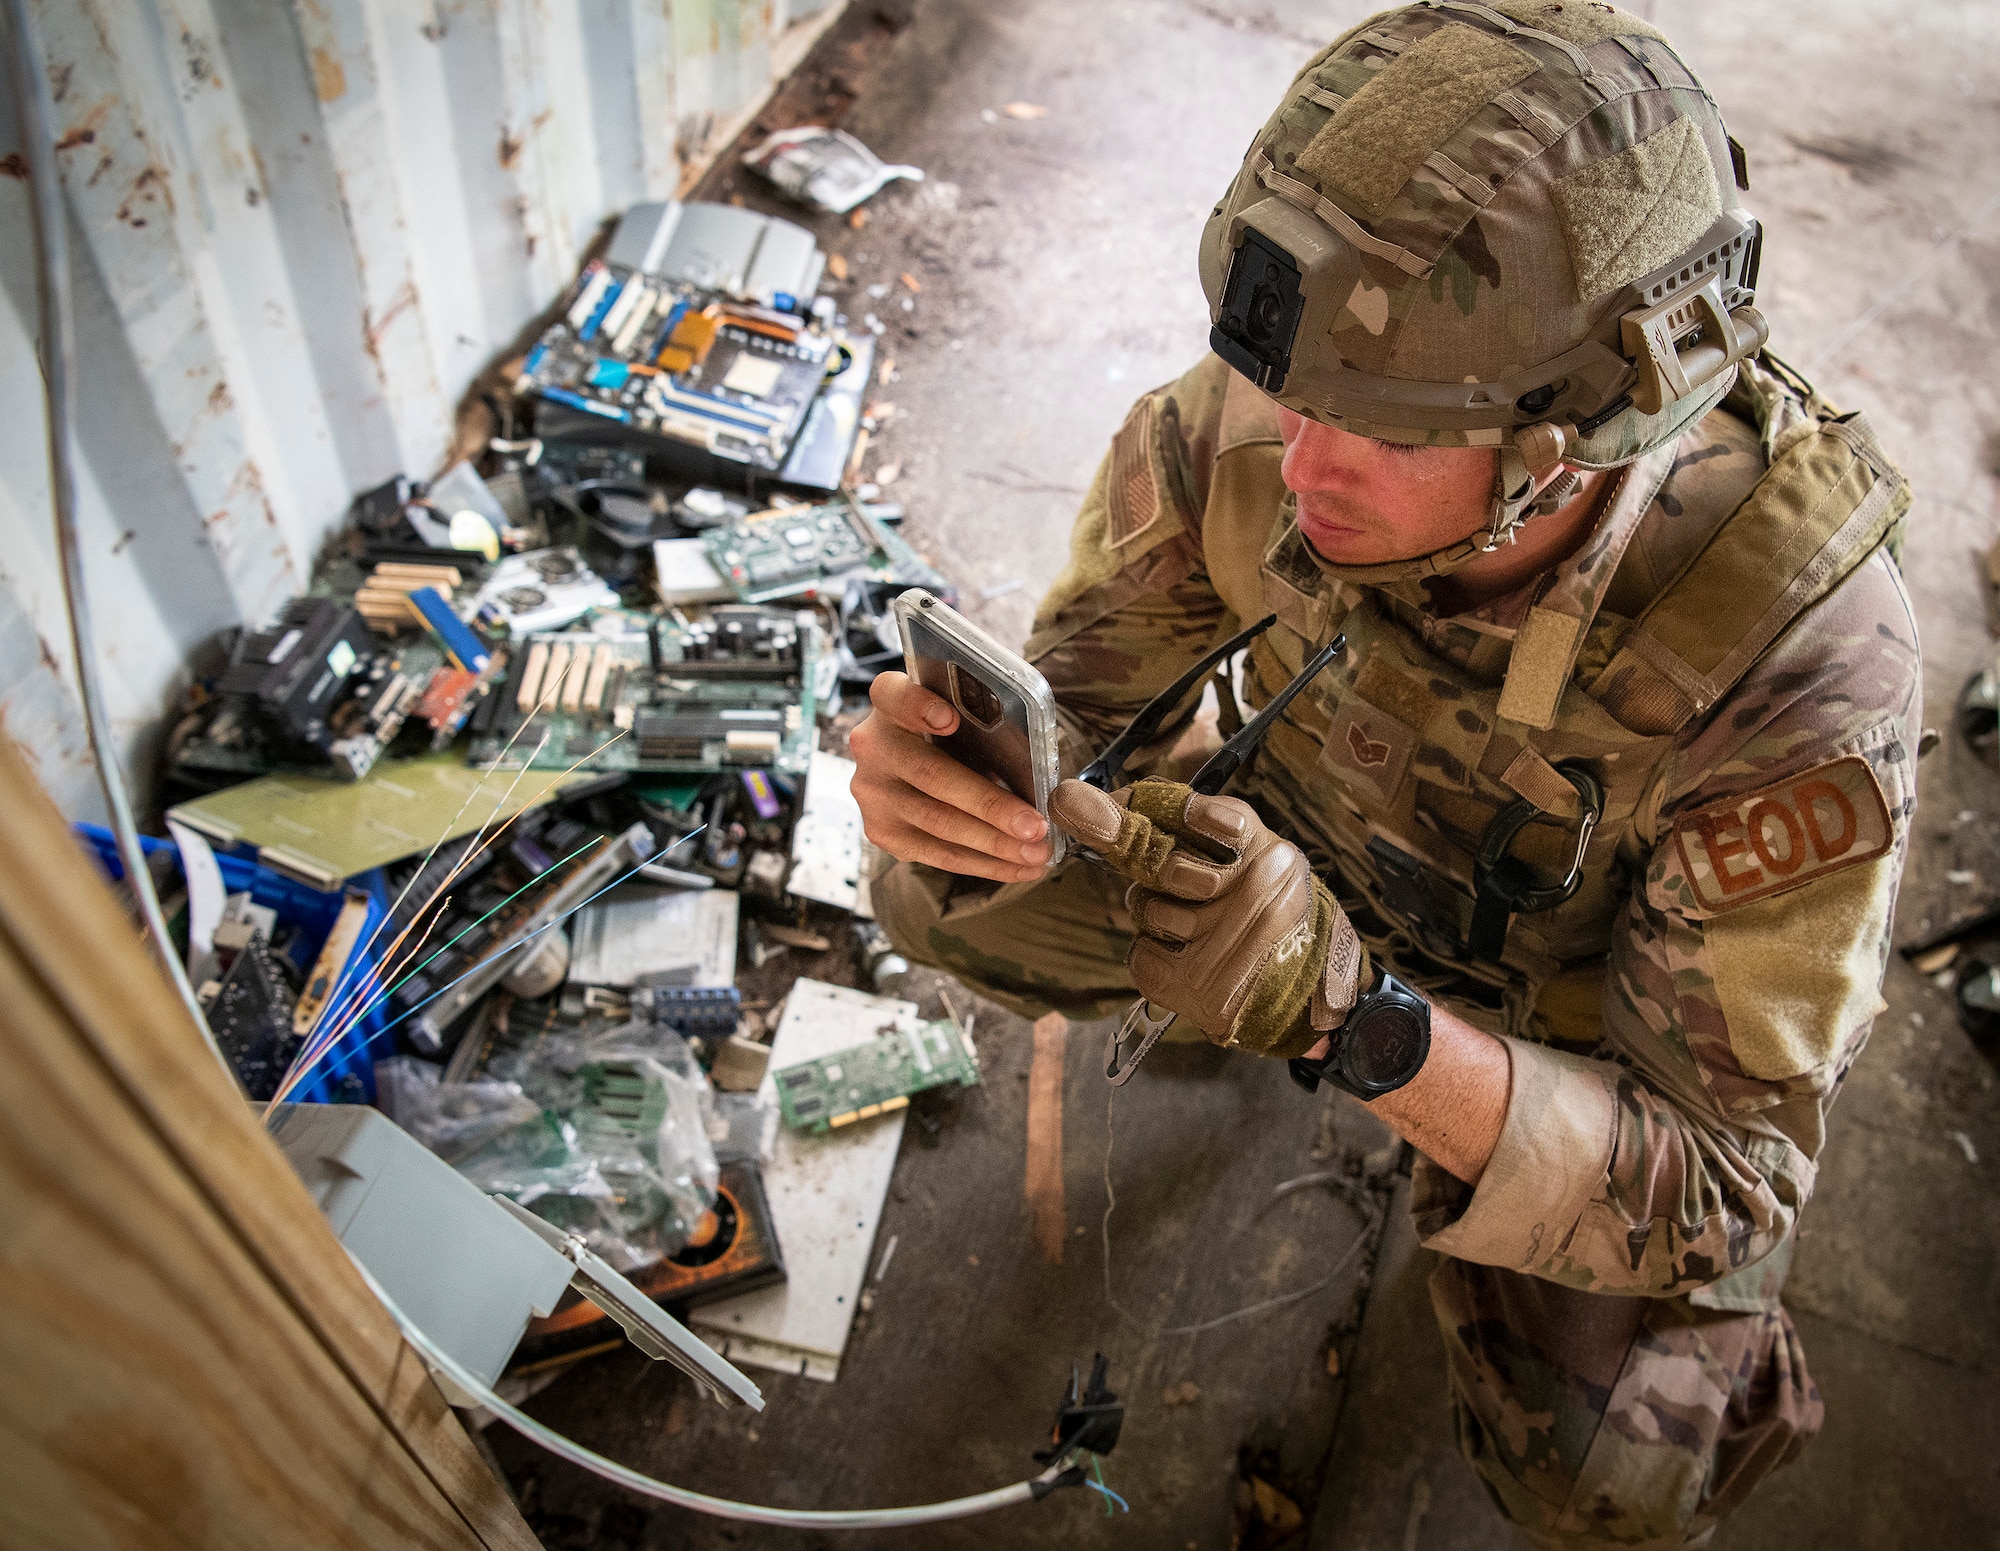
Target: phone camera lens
(975, 698)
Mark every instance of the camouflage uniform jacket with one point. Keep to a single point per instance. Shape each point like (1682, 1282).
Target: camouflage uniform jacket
(1679, 1027)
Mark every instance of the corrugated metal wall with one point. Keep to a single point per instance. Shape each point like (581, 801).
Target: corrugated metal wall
(299, 229)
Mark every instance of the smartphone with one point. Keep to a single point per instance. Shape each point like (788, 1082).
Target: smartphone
(1006, 715)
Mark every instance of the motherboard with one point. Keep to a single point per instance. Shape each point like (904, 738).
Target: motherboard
(250, 1013)
(731, 378)
(345, 674)
(639, 693)
(383, 689)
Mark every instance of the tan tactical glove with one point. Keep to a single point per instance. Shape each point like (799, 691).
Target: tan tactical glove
(1235, 933)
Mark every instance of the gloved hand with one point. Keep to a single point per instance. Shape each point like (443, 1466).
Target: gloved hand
(1234, 932)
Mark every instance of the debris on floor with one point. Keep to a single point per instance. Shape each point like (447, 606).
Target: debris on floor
(827, 1182)
(827, 169)
(527, 822)
(518, 822)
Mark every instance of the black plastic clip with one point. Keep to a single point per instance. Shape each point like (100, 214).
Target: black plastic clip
(1216, 771)
(1088, 1420)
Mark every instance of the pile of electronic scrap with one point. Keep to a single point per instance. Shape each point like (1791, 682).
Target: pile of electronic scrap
(530, 783)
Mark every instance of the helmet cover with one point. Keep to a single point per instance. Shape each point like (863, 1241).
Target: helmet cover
(1510, 226)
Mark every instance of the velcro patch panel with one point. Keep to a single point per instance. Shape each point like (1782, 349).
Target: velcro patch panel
(1134, 494)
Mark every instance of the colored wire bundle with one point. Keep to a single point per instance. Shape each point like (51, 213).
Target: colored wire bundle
(302, 1067)
(349, 1003)
(1097, 1484)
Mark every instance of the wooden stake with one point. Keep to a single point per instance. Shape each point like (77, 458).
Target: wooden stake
(1044, 1186)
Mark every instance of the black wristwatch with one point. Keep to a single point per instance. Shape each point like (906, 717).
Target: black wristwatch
(1381, 1046)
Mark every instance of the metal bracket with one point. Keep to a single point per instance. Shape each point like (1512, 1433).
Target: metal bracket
(1142, 1022)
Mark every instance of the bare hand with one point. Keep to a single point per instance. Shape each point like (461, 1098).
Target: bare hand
(920, 804)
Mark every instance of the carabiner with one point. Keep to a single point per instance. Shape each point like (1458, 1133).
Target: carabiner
(1503, 887)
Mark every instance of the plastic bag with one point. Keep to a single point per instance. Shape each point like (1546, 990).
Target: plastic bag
(619, 1152)
(452, 1119)
(674, 1113)
(827, 168)
(545, 1167)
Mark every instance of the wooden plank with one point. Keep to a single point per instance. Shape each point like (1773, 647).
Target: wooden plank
(1044, 1179)
(192, 1359)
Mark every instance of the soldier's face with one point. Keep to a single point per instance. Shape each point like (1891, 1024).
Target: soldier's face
(1364, 502)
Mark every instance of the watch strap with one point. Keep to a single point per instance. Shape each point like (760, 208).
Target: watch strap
(1341, 983)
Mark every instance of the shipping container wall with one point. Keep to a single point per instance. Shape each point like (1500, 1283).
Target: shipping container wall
(298, 229)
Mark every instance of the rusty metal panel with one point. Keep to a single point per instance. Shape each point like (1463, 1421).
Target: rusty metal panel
(300, 228)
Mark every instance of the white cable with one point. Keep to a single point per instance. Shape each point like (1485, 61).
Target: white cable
(36, 110)
(680, 1496)
(1272, 1303)
(1357, 1197)
(1110, 1199)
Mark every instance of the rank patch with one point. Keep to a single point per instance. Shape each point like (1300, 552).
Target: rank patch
(1368, 746)
(1828, 818)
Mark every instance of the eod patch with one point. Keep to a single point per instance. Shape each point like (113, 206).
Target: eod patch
(1803, 827)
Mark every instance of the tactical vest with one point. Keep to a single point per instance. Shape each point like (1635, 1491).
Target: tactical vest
(1395, 765)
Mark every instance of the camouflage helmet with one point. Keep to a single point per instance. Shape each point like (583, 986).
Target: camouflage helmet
(1510, 225)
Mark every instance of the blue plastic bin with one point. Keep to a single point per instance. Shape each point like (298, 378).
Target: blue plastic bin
(345, 1073)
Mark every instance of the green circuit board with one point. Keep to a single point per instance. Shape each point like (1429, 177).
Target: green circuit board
(648, 696)
(783, 553)
(877, 1078)
(321, 830)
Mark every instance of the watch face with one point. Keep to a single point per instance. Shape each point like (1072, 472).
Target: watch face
(1387, 1046)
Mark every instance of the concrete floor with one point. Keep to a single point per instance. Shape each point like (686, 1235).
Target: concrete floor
(1056, 260)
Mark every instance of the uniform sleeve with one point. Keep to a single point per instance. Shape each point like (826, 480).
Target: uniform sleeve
(1134, 606)
(1744, 976)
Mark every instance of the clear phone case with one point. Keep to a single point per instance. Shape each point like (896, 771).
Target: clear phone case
(1006, 715)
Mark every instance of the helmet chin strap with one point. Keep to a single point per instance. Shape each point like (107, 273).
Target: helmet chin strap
(1516, 499)
(1513, 498)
